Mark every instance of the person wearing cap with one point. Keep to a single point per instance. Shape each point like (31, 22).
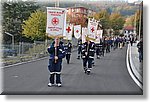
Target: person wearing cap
(57, 53)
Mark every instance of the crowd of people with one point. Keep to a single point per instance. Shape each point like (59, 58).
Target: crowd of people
(86, 51)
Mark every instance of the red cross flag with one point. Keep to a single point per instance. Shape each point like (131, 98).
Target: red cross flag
(84, 34)
(69, 29)
(77, 31)
(92, 28)
(56, 21)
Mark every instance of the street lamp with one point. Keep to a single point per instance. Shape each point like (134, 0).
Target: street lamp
(12, 39)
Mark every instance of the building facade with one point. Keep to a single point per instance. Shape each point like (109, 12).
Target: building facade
(79, 15)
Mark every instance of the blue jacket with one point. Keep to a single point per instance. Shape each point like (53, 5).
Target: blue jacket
(68, 48)
(60, 51)
(90, 49)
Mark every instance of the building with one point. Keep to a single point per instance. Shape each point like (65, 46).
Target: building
(128, 30)
(79, 15)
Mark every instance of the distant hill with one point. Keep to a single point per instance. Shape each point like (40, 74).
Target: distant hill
(124, 8)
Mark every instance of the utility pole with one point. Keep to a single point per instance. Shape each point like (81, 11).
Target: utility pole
(57, 3)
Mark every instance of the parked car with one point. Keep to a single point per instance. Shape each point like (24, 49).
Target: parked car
(8, 52)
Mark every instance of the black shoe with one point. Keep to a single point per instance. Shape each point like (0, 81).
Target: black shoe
(88, 72)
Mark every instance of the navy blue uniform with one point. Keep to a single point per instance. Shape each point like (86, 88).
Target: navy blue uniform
(98, 46)
(68, 48)
(55, 66)
(79, 48)
(88, 51)
(140, 50)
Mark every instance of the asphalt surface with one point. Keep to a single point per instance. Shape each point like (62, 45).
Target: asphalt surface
(109, 76)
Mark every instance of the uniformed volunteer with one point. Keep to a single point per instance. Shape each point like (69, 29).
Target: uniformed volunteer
(57, 53)
(88, 50)
(68, 47)
(79, 48)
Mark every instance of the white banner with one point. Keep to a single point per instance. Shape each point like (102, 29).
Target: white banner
(69, 29)
(84, 34)
(92, 28)
(77, 31)
(98, 36)
(56, 21)
(101, 34)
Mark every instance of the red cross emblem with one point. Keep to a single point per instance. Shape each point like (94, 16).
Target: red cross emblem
(92, 29)
(68, 29)
(77, 31)
(55, 21)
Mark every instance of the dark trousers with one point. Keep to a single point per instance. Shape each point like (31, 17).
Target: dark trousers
(89, 62)
(79, 52)
(68, 58)
(55, 70)
(107, 48)
(140, 56)
(98, 51)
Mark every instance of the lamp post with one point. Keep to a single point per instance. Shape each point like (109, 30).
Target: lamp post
(12, 39)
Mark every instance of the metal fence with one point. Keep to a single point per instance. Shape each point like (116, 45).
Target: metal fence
(23, 51)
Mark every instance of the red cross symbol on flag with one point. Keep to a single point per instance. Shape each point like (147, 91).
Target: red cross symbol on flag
(92, 29)
(55, 21)
(77, 31)
(68, 29)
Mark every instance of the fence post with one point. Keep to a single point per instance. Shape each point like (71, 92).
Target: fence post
(34, 49)
(22, 49)
(19, 49)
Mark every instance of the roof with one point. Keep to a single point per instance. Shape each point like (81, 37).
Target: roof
(128, 28)
(77, 7)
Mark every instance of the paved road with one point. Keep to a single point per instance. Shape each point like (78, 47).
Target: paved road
(109, 76)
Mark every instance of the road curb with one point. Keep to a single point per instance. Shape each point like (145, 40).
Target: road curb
(131, 69)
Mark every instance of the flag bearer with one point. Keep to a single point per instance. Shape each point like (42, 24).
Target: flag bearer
(57, 53)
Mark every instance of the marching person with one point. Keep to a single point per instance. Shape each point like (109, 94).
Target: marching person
(140, 50)
(57, 53)
(79, 48)
(68, 48)
(97, 46)
(88, 50)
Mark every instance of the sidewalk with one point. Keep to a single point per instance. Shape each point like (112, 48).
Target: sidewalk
(137, 66)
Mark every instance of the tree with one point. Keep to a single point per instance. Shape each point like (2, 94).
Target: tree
(35, 27)
(14, 13)
(116, 22)
(103, 17)
(130, 21)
